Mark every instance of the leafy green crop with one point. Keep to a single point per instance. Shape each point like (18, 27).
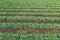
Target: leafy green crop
(28, 25)
(29, 3)
(30, 18)
(32, 36)
(30, 13)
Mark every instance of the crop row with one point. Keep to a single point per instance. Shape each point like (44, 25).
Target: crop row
(30, 13)
(26, 36)
(31, 10)
(29, 18)
(28, 3)
(28, 25)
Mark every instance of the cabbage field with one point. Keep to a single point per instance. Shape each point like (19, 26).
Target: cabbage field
(32, 36)
(29, 19)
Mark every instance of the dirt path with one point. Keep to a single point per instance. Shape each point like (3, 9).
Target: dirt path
(25, 30)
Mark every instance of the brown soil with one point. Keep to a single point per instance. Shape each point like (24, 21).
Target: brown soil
(28, 21)
(25, 30)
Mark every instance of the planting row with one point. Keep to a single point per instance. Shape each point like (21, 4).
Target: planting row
(26, 36)
(29, 14)
(29, 25)
(29, 3)
(31, 10)
(30, 18)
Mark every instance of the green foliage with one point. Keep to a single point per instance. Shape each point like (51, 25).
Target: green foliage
(28, 25)
(28, 3)
(30, 13)
(30, 18)
(32, 36)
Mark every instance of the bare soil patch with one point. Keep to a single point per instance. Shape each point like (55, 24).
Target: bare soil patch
(25, 30)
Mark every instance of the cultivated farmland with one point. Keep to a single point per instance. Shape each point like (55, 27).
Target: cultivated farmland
(29, 19)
